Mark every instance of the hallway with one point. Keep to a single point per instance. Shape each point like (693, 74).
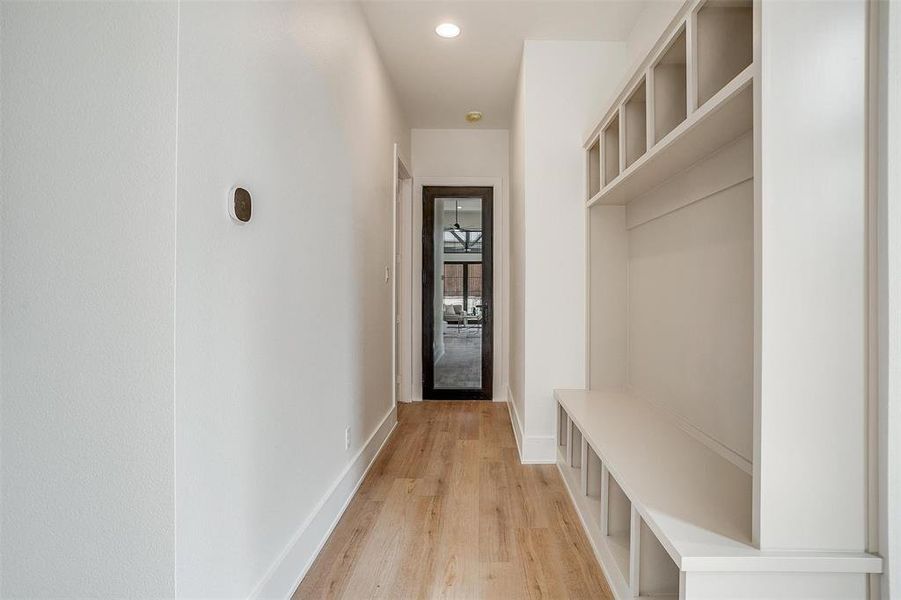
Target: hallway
(406, 299)
(448, 511)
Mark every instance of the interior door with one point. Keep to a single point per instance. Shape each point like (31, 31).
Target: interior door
(457, 293)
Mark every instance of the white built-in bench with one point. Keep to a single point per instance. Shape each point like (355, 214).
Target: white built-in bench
(657, 503)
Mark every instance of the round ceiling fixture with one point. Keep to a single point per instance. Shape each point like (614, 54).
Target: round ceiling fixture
(474, 116)
(447, 30)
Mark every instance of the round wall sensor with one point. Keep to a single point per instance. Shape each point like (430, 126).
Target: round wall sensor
(239, 205)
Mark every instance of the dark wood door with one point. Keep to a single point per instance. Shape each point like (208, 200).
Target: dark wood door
(460, 342)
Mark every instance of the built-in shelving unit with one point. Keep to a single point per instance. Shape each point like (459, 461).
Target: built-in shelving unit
(658, 454)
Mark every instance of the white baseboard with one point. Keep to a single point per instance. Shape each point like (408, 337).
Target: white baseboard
(533, 449)
(292, 564)
(514, 422)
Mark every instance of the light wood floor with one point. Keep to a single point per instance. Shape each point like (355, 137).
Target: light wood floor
(447, 511)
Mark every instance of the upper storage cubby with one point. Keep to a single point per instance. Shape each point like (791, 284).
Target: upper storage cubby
(594, 169)
(670, 86)
(611, 150)
(725, 33)
(635, 126)
(656, 128)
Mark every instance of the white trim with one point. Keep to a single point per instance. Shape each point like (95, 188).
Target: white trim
(400, 313)
(501, 255)
(533, 449)
(283, 577)
(889, 294)
(515, 422)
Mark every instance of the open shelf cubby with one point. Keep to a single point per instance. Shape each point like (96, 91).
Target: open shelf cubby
(635, 123)
(575, 446)
(670, 88)
(725, 34)
(611, 150)
(619, 525)
(594, 169)
(658, 575)
(562, 428)
(592, 472)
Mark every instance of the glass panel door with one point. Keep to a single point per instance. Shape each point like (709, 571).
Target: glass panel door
(456, 241)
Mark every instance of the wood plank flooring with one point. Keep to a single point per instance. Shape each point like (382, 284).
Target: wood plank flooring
(447, 511)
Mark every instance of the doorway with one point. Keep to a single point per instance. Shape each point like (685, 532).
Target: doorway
(401, 301)
(457, 279)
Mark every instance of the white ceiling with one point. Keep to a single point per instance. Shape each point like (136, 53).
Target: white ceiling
(440, 80)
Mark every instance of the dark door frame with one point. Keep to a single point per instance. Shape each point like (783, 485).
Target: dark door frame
(429, 195)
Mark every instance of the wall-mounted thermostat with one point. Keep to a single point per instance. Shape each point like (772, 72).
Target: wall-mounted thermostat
(239, 205)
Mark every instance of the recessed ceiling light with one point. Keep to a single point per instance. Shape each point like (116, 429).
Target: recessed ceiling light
(447, 30)
(473, 116)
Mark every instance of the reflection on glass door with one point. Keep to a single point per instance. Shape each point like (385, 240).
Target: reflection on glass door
(460, 365)
(456, 236)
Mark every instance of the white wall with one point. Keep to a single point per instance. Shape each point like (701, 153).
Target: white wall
(460, 152)
(652, 21)
(608, 257)
(87, 280)
(462, 157)
(516, 390)
(564, 87)
(284, 324)
(122, 124)
(691, 290)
